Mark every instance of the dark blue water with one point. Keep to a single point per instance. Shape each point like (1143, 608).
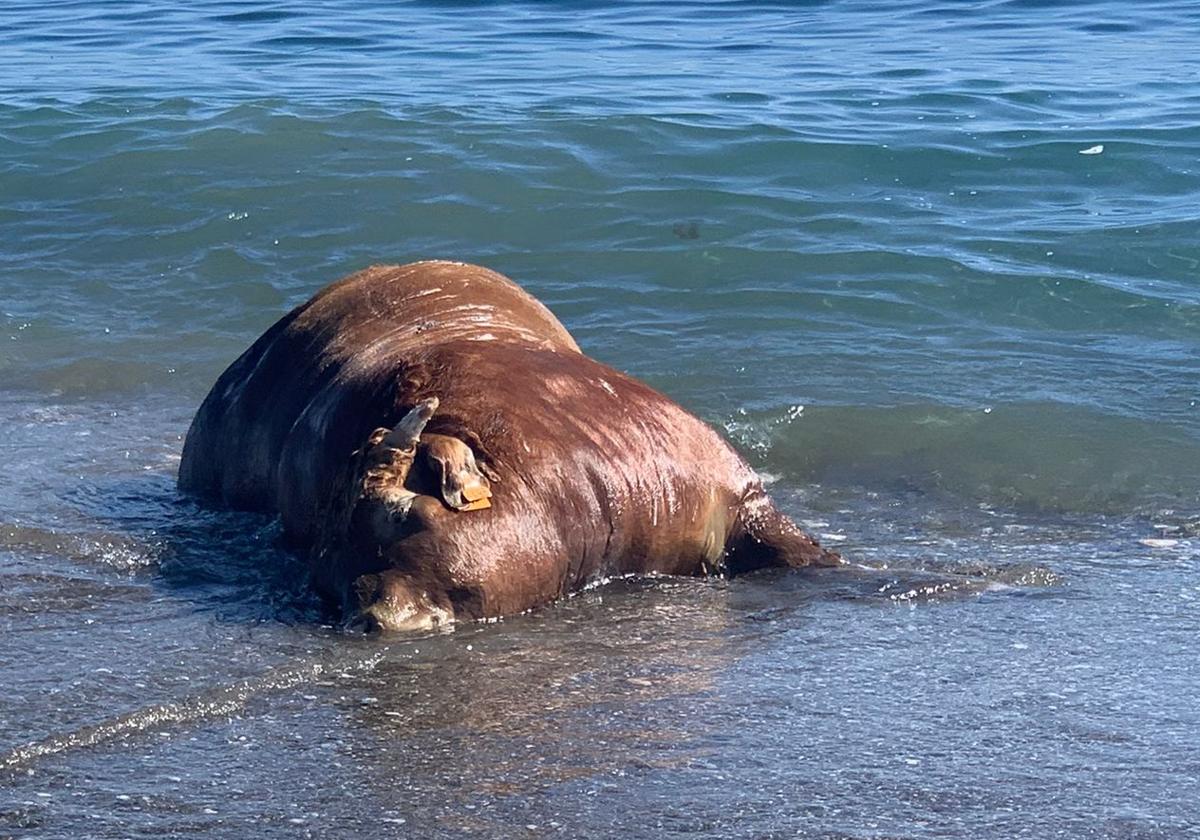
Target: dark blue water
(933, 267)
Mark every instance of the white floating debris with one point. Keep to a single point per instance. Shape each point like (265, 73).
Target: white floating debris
(1092, 150)
(1153, 542)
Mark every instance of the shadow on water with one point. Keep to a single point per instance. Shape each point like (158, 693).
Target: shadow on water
(229, 562)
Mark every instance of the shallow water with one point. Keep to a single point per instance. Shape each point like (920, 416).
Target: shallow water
(864, 241)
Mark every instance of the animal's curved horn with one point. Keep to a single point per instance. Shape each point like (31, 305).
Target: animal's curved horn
(406, 433)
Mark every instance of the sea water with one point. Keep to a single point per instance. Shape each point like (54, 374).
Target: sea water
(934, 268)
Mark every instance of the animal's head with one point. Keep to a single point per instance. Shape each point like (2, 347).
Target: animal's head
(411, 484)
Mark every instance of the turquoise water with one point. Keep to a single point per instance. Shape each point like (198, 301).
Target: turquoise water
(933, 267)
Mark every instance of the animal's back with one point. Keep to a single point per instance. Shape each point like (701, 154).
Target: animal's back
(352, 327)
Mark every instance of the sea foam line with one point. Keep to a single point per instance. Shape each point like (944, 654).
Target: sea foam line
(223, 701)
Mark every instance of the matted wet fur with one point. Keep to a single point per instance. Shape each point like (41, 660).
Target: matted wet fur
(566, 470)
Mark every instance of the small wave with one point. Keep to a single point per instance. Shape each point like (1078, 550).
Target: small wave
(256, 16)
(931, 583)
(220, 702)
(116, 551)
(1049, 457)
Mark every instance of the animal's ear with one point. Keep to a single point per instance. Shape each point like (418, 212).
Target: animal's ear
(461, 484)
(481, 460)
(406, 433)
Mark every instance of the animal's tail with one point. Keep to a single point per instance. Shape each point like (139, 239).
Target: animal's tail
(765, 538)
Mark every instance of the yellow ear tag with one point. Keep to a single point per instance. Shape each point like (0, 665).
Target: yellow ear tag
(477, 504)
(475, 492)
